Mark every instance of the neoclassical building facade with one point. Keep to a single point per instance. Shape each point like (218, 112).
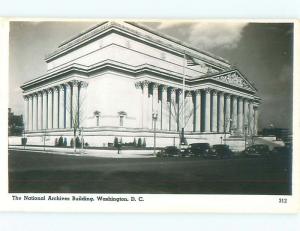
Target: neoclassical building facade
(111, 79)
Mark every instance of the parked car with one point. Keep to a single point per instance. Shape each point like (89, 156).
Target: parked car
(285, 150)
(185, 150)
(169, 151)
(256, 150)
(220, 151)
(199, 149)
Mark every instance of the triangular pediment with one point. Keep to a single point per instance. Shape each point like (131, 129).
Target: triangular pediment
(234, 78)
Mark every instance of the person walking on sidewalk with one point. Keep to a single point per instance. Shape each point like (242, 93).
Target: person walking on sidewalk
(119, 147)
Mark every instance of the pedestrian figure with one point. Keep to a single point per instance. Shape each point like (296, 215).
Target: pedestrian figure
(119, 147)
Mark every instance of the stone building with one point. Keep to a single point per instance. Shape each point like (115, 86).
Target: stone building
(110, 79)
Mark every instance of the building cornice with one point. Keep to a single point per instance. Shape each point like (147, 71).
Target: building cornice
(136, 71)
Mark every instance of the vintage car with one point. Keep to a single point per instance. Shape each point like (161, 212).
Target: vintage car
(220, 151)
(169, 151)
(256, 150)
(199, 149)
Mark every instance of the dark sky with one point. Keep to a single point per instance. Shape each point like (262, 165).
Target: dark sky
(263, 52)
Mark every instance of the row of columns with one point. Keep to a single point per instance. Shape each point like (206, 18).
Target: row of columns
(55, 107)
(206, 110)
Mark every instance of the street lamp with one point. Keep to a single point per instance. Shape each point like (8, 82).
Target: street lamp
(154, 117)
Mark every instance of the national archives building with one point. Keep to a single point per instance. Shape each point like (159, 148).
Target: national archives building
(111, 79)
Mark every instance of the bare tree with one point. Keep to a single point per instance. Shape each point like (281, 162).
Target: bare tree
(177, 108)
(76, 108)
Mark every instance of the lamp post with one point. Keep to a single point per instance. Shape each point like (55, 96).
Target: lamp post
(154, 117)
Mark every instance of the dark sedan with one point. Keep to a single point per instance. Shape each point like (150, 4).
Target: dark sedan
(256, 150)
(220, 151)
(200, 149)
(169, 151)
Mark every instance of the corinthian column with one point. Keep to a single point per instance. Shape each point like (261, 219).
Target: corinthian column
(251, 118)
(35, 112)
(30, 114)
(50, 109)
(172, 117)
(240, 115)
(145, 104)
(26, 111)
(221, 112)
(214, 115)
(45, 111)
(255, 120)
(155, 101)
(68, 105)
(207, 110)
(179, 110)
(40, 110)
(227, 113)
(189, 112)
(246, 114)
(164, 108)
(55, 108)
(75, 104)
(197, 108)
(61, 106)
(234, 112)
(83, 103)
(139, 87)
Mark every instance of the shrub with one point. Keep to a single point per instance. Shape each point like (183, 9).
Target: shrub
(116, 142)
(86, 144)
(139, 144)
(60, 141)
(65, 142)
(72, 143)
(144, 142)
(77, 141)
(24, 141)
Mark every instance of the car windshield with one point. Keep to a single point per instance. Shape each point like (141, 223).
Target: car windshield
(170, 148)
(261, 147)
(220, 146)
(200, 145)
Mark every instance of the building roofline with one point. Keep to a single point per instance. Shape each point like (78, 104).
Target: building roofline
(95, 30)
(175, 40)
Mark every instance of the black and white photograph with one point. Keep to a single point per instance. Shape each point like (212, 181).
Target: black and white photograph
(150, 107)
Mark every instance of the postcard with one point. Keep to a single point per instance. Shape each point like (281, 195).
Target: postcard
(149, 115)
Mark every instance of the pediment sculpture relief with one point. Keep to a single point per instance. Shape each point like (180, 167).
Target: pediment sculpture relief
(234, 79)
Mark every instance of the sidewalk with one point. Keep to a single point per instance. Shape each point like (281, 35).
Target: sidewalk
(86, 152)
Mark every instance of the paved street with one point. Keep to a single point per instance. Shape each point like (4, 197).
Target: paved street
(40, 172)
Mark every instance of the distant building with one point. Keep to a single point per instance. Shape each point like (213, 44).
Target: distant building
(15, 124)
(112, 78)
(283, 134)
